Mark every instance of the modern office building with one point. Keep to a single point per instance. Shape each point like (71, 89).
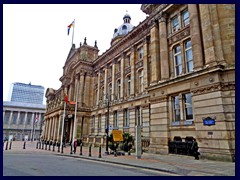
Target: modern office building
(23, 116)
(27, 93)
(173, 75)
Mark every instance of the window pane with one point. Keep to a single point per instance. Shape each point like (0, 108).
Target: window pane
(190, 66)
(189, 55)
(188, 44)
(178, 60)
(188, 106)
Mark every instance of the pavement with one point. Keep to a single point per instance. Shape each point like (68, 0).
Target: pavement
(175, 164)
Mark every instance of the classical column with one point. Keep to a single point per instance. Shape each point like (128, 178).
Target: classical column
(18, 118)
(207, 35)
(54, 127)
(133, 73)
(145, 62)
(122, 76)
(105, 82)
(113, 79)
(59, 128)
(49, 127)
(195, 36)
(10, 120)
(154, 51)
(163, 48)
(80, 78)
(25, 120)
(99, 87)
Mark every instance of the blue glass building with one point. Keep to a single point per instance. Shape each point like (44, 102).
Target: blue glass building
(27, 93)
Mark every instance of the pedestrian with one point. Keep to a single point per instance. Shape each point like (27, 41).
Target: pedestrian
(75, 145)
(195, 149)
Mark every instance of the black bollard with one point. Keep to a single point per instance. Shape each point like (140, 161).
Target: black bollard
(24, 145)
(45, 145)
(6, 146)
(58, 145)
(71, 149)
(53, 147)
(99, 154)
(115, 153)
(81, 149)
(49, 146)
(10, 146)
(37, 146)
(62, 149)
(42, 145)
(90, 151)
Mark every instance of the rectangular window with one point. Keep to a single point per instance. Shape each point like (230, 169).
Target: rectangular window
(93, 121)
(29, 117)
(126, 118)
(7, 117)
(189, 56)
(177, 60)
(15, 115)
(176, 109)
(185, 17)
(128, 85)
(188, 106)
(99, 121)
(115, 119)
(175, 24)
(22, 116)
(140, 53)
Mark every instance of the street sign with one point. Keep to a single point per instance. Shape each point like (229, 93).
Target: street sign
(117, 135)
(208, 121)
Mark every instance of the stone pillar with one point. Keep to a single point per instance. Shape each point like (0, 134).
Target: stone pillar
(113, 79)
(195, 36)
(132, 118)
(145, 62)
(99, 85)
(18, 119)
(80, 78)
(163, 48)
(54, 127)
(25, 120)
(122, 77)
(154, 51)
(133, 73)
(59, 128)
(10, 120)
(49, 128)
(105, 83)
(208, 38)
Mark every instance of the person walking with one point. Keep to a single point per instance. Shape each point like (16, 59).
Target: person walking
(75, 146)
(195, 149)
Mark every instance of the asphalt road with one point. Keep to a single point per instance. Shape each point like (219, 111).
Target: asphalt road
(37, 164)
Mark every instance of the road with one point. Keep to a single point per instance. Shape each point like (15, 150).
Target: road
(39, 164)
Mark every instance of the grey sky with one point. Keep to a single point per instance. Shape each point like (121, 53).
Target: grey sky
(35, 40)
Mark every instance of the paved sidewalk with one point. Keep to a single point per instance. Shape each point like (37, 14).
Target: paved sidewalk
(177, 164)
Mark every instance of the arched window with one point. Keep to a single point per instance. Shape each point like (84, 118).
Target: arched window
(124, 27)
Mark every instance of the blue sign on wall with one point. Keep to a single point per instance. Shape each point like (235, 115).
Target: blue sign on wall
(208, 121)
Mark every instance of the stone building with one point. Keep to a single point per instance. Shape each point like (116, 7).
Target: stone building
(170, 75)
(22, 120)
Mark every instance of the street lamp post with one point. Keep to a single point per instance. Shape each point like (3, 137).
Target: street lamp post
(107, 128)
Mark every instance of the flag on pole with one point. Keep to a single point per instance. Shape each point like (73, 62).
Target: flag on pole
(66, 98)
(72, 102)
(69, 26)
(36, 119)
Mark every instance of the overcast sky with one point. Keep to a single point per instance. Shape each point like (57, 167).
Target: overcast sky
(36, 44)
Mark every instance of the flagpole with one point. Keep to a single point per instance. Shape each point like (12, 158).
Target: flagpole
(63, 123)
(73, 31)
(75, 116)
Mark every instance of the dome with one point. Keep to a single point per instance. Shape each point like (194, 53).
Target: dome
(124, 28)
